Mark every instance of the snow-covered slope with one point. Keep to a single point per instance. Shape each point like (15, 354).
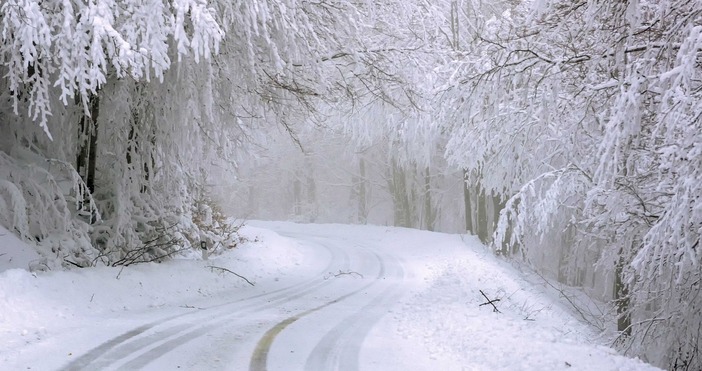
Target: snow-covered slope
(14, 253)
(410, 301)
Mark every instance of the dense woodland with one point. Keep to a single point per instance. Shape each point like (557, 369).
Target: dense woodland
(567, 135)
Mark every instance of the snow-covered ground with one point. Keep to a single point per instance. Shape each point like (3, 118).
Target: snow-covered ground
(324, 297)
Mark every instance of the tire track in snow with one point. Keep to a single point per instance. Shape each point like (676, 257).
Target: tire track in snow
(131, 342)
(259, 359)
(169, 343)
(341, 346)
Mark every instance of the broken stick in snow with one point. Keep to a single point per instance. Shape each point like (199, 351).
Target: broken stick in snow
(227, 270)
(350, 273)
(491, 302)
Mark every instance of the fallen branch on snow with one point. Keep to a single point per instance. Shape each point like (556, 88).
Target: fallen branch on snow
(491, 302)
(350, 273)
(234, 273)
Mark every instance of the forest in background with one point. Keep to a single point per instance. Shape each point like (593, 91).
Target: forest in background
(565, 134)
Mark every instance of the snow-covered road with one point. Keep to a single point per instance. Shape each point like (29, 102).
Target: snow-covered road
(295, 325)
(328, 334)
(326, 297)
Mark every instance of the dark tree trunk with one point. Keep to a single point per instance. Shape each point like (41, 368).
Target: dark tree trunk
(92, 149)
(397, 184)
(483, 233)
(621, 298)
(87, 142)
(497, 206)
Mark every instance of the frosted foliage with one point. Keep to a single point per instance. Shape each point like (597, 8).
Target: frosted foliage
(35, 205)
(675, 238)
(588, 118)
(14, 208)
(158, 184)
(340, 53)
(534, 203)
(74, 45)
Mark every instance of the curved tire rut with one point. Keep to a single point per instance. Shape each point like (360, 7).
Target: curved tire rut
(164, 335)
(340, 346)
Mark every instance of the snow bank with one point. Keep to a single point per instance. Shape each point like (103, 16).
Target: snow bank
(533, 330)
(36, 305)
(14, 253)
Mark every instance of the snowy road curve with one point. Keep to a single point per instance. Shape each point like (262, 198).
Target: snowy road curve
(316, 323)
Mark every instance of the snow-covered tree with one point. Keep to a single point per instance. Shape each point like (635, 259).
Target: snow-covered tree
(587, 116)
(136, 99)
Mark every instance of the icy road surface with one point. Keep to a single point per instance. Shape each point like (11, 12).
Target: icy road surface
(326, 297)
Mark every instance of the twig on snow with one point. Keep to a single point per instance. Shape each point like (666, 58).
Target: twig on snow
(120, 272)
(234, 273)
(341, 273)
(73, 263)
(491, 302)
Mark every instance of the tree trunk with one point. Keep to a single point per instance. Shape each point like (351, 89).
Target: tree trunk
(141, 142)
(87, 151)
(482, 216)
(397, 184)
(297, 197)
(497, 206)
(362, 202)
(467, 202)
(311, 204)
(455, 32)
(429, 212)
(87, 140)
(621, 297)
(92, 149)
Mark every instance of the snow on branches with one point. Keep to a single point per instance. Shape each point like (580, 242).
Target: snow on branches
(75, 45)
(612, 90)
